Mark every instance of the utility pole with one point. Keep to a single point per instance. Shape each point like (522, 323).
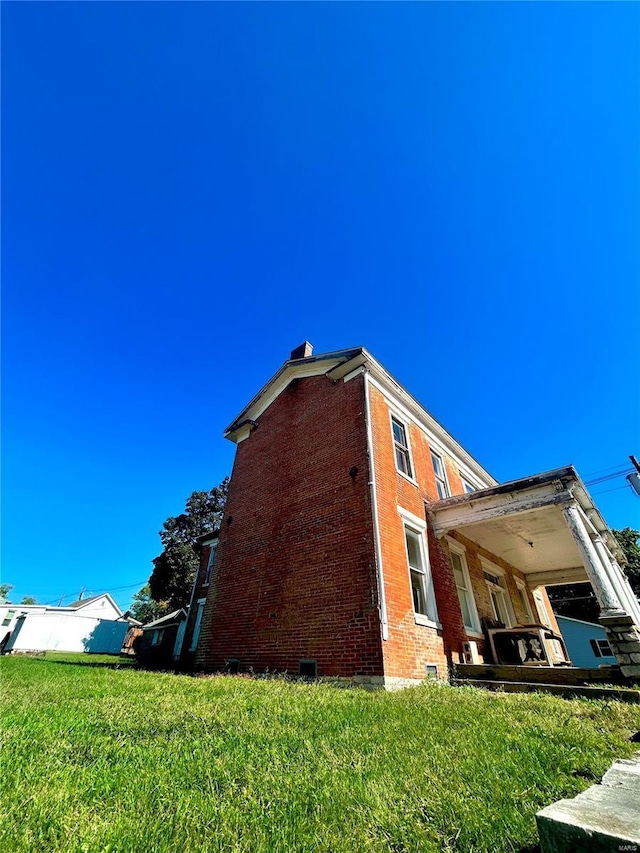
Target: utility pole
(634, 479)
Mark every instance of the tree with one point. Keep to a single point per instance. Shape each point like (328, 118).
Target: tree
(578, 600)
(144, 608)
(175, 568)
(5, 589)
(628, 541)
(28, 599)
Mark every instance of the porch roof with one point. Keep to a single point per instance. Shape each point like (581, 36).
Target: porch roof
(522, 522)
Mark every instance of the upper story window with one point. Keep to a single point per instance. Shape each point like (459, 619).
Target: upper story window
(210, 562)
(441, 478)
(401, 444)
(468, 488)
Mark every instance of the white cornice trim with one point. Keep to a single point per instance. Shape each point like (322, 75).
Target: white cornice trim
(273, 389)
(344, 364)
(439, 439)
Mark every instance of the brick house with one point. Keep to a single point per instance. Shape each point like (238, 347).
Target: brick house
(361, 540)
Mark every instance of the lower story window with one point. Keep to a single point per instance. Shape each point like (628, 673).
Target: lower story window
(465, 594)
(499, 603)
(541, 607)
(421, 586)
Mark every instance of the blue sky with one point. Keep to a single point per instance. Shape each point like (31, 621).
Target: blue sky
(191, 190)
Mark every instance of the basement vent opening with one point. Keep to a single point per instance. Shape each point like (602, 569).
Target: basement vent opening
(431, 670)
(232, 666)
(308, 668)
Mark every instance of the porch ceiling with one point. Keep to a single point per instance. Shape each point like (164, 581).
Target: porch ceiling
(535, 542)
(523, 523)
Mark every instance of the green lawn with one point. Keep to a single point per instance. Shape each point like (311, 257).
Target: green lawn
(96, 758)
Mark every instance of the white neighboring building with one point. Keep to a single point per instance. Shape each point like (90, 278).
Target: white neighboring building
(93, 624)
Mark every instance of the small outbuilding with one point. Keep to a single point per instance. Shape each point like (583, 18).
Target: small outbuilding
(586, 642)
(160, 643)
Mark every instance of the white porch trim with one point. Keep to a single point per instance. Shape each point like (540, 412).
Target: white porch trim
(608, 597)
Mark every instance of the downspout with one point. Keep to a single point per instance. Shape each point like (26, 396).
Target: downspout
(374, 512)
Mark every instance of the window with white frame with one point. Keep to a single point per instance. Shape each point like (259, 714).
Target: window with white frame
(468, 488)
(441, 478)
(210, 561)
(541, 608)
(401, 445)
(601, 648)
(499, 597)
(197, 625)
(463, 585)
(421, 583)
(524, 599)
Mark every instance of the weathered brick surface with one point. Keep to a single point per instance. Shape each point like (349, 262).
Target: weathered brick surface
(295, 573)
(295, 568)
(410, 646)
(201, 591)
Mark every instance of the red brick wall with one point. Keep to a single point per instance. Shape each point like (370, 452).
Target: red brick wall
(473, 552)
(201, 591)
(411, 646)
(295, 567)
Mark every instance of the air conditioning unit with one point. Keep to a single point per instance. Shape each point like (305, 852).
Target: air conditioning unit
(470, 652)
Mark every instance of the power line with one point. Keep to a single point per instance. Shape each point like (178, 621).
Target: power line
(606, 491)
(608, 477)
(73, 595)
(602, 470)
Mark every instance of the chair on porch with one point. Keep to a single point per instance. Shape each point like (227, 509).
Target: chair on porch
(522, 645)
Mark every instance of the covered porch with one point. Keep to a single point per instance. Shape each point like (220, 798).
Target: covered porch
(548, 528)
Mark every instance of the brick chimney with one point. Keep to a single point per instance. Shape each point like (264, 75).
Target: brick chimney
(305, 350)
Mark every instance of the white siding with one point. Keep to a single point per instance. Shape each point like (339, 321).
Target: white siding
(64, 632)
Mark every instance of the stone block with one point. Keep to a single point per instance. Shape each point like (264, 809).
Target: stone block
(601, 820)
(624, 774)
(628, 648)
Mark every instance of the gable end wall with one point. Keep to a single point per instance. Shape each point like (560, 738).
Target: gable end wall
(294, 576)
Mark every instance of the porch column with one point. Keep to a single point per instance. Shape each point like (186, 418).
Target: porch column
(618, 580)
(608, 599)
